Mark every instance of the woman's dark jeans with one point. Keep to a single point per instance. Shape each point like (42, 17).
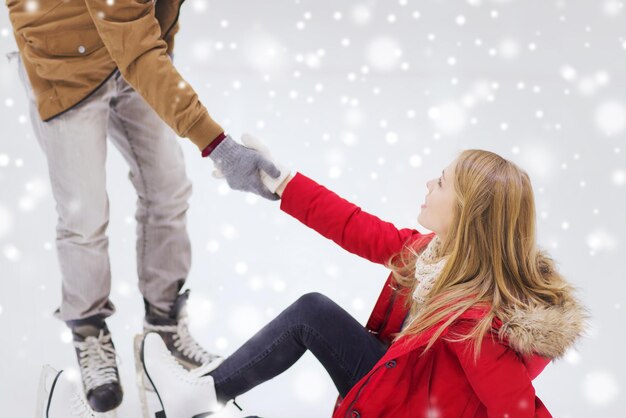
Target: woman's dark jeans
(314, 322)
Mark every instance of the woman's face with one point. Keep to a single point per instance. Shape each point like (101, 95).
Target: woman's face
(437, 211)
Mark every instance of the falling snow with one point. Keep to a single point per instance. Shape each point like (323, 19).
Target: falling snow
(372, 99)
(600, 388)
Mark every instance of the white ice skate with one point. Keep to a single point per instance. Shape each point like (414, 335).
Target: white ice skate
(58, 397)
(148, 398)
(178, 393)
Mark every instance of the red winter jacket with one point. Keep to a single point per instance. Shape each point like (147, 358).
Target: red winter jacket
(445, 382)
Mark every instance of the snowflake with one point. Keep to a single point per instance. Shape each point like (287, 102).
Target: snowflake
(600, 388)
(610, 117)
(384, 53)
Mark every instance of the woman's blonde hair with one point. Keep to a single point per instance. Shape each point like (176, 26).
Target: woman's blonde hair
(493, 259)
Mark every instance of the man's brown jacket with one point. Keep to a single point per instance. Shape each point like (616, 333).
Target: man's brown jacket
(71, 47)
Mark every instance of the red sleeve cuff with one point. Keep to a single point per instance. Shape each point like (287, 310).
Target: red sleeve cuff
(209, 148)
(294, 200)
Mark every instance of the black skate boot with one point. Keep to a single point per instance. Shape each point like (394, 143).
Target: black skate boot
(98, 365)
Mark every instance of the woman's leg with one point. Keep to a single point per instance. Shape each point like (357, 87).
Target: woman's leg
(314, 322)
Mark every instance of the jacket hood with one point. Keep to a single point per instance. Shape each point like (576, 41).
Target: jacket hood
(546, 330)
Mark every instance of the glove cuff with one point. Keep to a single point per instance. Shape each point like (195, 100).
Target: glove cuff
(209, 148)
(225, 151)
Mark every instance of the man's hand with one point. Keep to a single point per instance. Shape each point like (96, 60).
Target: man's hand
(272, 183)
(242, 167)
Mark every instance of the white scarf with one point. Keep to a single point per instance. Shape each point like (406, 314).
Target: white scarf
(427, 270)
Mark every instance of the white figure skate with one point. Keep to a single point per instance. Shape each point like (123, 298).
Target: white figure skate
(148, 398)
(58, 397)
(178, 393)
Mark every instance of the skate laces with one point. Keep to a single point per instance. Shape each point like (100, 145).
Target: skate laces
(181, 373)
(183, 340)
(97, 361)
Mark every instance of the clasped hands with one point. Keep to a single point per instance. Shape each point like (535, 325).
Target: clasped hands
(248, 167)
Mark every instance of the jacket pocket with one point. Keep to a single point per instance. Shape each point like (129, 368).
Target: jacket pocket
(78, 42)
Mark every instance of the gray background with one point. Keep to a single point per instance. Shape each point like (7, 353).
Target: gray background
(372, 99)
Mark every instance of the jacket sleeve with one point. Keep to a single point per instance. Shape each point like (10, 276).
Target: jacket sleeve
(343, 222)
(500, 380)
(132, 36)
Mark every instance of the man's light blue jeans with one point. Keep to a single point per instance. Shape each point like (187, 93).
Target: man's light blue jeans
(75, 146)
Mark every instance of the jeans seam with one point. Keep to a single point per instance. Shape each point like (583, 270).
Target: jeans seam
(145, 187)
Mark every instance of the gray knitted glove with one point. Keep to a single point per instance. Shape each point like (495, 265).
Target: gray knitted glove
(241, 166)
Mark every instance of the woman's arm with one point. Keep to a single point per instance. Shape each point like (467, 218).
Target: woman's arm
(341, 221)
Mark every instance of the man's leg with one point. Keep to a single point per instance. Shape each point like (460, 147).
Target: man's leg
(157, 171)
(314, 322)
(75, 147)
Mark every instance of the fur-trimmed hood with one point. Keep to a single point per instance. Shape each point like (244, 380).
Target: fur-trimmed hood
(546, 330)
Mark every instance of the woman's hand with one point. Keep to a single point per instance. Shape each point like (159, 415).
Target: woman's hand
(271, 182)
(281, 188)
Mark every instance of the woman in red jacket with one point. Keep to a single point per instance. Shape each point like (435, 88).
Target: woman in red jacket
(469, 316)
